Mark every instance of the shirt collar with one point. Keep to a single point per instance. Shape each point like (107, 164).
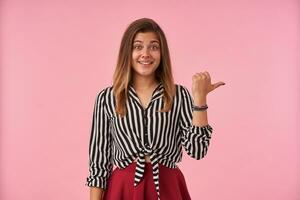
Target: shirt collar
(157, 93)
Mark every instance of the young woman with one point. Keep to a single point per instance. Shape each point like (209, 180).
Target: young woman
(143, 120)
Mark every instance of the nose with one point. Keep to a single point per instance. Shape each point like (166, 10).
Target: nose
(145, 53)
(144, 56)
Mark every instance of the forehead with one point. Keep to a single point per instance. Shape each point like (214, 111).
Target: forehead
(146, 37)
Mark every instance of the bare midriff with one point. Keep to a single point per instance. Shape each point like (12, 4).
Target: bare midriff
(147, 158)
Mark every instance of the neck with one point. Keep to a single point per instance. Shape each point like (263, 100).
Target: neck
(142, 83)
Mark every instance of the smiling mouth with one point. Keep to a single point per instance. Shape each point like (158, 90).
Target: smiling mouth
(145, 63)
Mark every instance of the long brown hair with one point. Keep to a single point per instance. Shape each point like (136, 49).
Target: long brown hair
(123, 72)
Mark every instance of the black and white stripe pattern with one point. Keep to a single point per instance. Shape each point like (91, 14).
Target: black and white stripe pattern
(161, 135)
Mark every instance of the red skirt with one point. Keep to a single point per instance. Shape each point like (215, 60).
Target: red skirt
(171, 182)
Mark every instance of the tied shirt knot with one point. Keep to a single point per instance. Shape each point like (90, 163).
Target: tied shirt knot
(140, 167)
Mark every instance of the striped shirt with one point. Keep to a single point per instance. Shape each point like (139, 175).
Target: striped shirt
(119, 140)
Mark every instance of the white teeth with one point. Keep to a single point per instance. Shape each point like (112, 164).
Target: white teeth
(145, 63)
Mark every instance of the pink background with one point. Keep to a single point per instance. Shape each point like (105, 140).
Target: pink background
(57, 55)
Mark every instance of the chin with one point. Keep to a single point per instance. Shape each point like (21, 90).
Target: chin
(140, 70)
(140, 73)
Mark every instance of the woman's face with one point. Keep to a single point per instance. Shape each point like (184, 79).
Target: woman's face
(145, 54)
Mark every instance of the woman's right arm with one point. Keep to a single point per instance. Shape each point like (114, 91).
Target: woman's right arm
(100, 151)
(96, 193)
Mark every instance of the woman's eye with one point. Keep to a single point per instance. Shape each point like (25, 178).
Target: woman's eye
(137, 47)
(155, 47)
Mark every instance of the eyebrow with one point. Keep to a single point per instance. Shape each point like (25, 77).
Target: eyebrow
(152, 41)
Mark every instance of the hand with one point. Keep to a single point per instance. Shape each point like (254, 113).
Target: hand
(202, 85)
(96, 193)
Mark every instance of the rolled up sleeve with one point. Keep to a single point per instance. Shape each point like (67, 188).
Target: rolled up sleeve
(100, 154)
(195, 139)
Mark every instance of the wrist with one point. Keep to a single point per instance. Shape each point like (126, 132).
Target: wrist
(201, 101)
(200, 108)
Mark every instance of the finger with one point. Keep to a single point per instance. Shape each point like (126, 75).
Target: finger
(195, 77)
(218, 84)
(206, 74)
(203, 76)
(200, 75)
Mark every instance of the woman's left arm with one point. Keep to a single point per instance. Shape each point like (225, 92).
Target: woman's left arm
(196, 132)
(200, 88)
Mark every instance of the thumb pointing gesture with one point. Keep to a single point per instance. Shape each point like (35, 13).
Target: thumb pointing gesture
(202, 84)
(218, 84)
